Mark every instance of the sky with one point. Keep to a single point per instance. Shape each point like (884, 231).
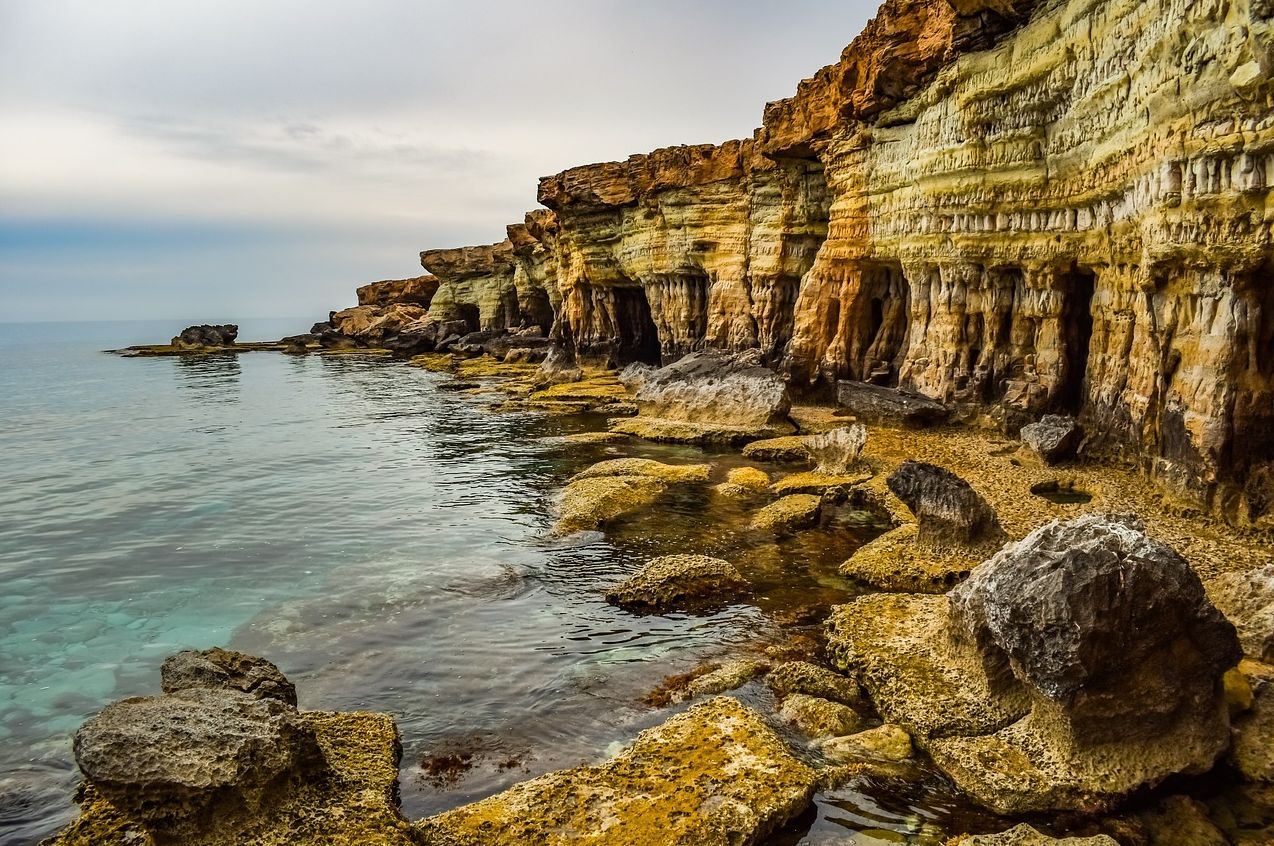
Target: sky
(214, 160)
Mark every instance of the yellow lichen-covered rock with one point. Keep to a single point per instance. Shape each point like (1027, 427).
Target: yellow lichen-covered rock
(592, 503)
(787, 448)
(814, 482)
(885, 743)
(716, 775)
(811, 679)
(671, 473)
(1025, 835)
(679, 581)
(688, 432)
(819, 717)
(744, 482)
(1253, 750)
(790, 513)
(354, 805)
(894, 561)
(589, 438)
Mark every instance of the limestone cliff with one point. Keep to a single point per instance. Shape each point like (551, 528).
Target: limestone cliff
(1014, 207)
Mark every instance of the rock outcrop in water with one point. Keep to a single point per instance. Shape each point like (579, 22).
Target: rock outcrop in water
(1011, 208)
(206, 336)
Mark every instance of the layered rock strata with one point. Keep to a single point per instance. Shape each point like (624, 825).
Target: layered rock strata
(1011, 208)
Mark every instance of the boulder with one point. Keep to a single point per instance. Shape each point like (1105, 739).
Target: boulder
(211, 764)
(793, 512)
(1074, 667)
(875, 404)
(894, 561)
(882, 743)
(817, 717)
(1025, 835)
(948, 510)
(679, 581)
(1103, 621)
(710, 396)
(177, 762)
(224, 669)
(205, 335)
(1247, 600)
(416, 338)
(729, 676)
(813, 680)
(837, 452)
(1054, 438)
(715, 775)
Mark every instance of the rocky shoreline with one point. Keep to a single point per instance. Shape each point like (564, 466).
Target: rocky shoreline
(996, 286)
(972, 677)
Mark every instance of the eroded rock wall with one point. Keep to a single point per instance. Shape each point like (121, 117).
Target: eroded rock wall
(684, 248)
(1016, 208)
(1075, 220)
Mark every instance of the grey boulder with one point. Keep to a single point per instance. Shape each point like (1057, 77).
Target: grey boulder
(228, 670)
(1054, 437)
(947, 509)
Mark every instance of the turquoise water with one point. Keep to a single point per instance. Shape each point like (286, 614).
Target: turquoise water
(383, 541)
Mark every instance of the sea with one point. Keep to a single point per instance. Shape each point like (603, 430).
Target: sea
(383, 540)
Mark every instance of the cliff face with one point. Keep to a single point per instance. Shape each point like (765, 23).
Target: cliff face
(1008, 206)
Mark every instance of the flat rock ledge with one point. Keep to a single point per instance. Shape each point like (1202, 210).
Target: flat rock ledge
(716, 775)
(1073, 668)
(617, 488)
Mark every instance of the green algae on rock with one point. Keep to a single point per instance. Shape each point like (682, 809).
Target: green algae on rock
(804, 677)
(715, 775)
(816, 717)
(894, 561)
(882, 743)
(589, 504)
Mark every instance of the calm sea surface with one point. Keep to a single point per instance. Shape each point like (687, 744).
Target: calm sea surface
(383, 541)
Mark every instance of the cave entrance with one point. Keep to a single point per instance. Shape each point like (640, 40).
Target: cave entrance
(883, 324)
(1077, 335)
(637, 339)
(537, 310)
(471, 316)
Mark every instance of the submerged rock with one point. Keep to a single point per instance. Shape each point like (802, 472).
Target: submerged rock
(206, 335)
(618, 487)
(811, 679)
(646, 467)
(1025, 835)
(882, 743)
(875, 404)
(948, 510)
(796, 511)
(1054, 437)
(729, 676)
(710, 396)
(715, 775)
(1074, 667)
(679, 581)
(819, 717)
(224, 669)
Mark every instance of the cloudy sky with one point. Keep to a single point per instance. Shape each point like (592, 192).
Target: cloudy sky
(226, 159)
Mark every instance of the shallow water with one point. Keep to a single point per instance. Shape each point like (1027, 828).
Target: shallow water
(384, 542)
